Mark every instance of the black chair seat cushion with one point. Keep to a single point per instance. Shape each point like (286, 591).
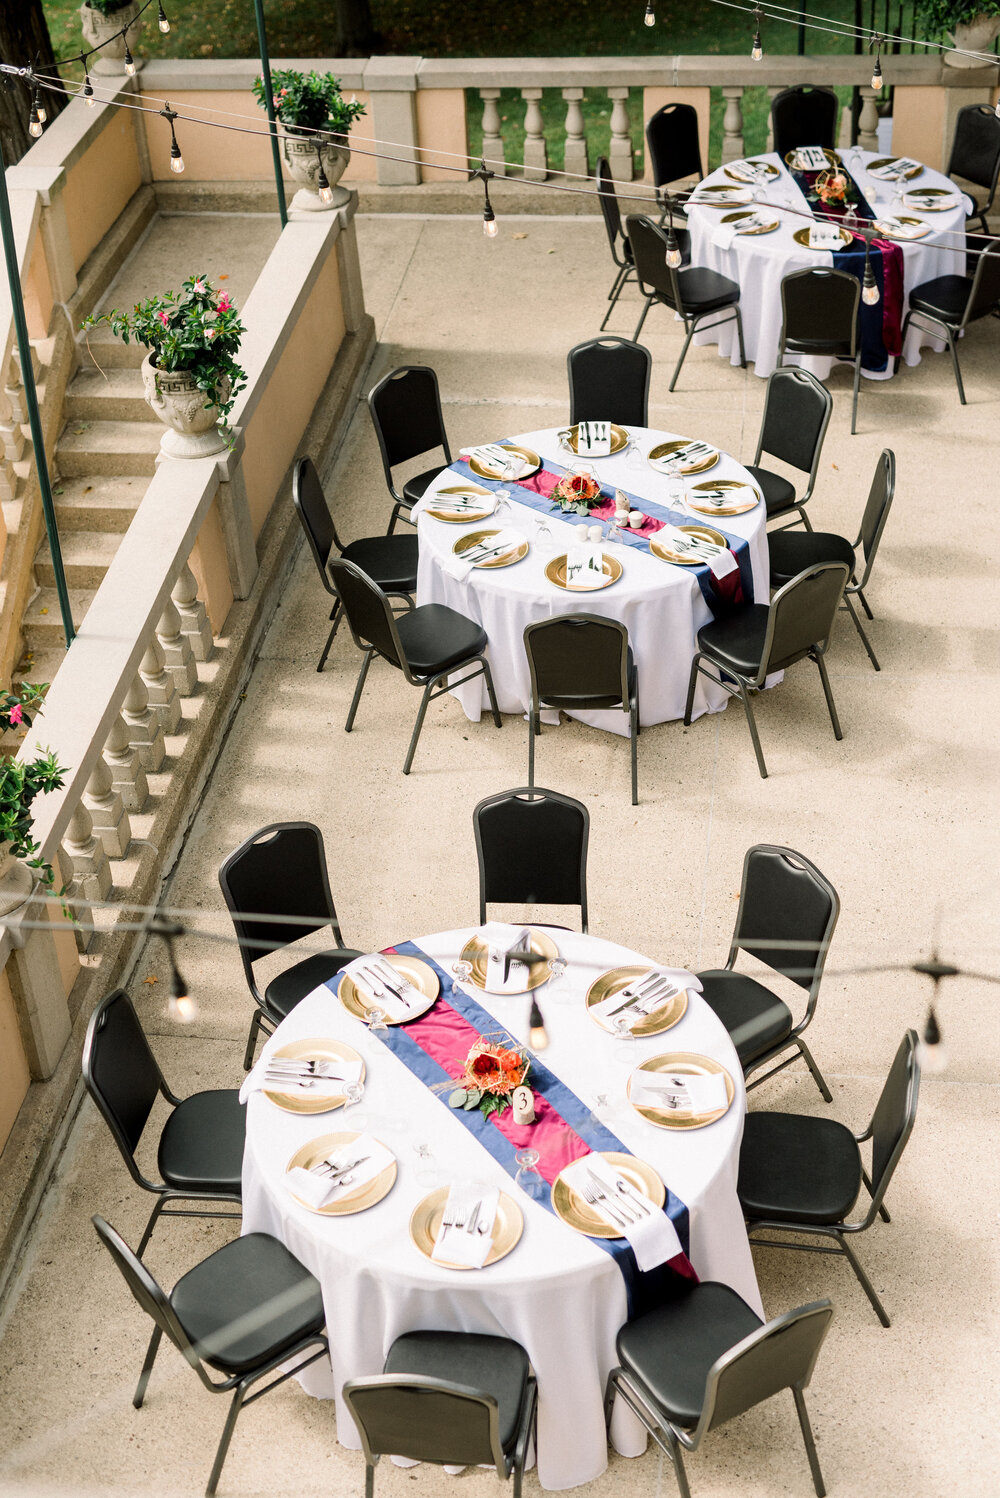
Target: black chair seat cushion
(201, 1147)
(283, 992)
(944, 297)
(671, 1349)
(793, 551)
(570, 704)
(390, 561)
(737, 639)
(414, 488)
(835, 348)
(494, 1365)
(755, 1017)
(797, 1168)
(779, 494)
(435, 637)
(703, 290)
(237, 1283)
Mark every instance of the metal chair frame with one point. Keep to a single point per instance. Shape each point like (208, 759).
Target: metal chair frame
(804, 93)
(989, 119)
(532, 793)
(661, 182)
(886, 466)
(401, 504)
(608, 199)
(951, 331)
(612, 347)
(802, 377)
(823, 272)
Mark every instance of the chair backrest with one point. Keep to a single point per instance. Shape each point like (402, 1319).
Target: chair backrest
(280, 870)
(673, 144)
(894, 1116)
(405, 408)
(804, 117)
(821, 304)
(985, 291)
(649, 252)
(609, 381)
(781, 1355)
(314, 515)
(532, 849)
(796, 415)
(877, 508)
(368, 611)
(425, 1419)
(607, 196)
(120, 1072)
(801, 615)
(577, 658)
(784, 898)
(147, 1292)
(975, 147)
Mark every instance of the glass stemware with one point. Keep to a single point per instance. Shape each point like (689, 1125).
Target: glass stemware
(560, 990)
(462, 970)
(426, 1170)
(675, 486)
(543, 533)
(601, 1111)
(529, 1177)
(625, 1049)
(353, 1093)
(502, 510)
(634, 460)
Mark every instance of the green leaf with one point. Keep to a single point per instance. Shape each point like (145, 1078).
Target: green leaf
(473, 1098)
(457, 1098)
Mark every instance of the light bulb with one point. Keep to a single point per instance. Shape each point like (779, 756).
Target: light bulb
(162, 21)
(674, 256)
(931, 1054)
(650, 16)
(490, 226)
(183, 1008)
(129, 62)
(43, 113)
(869, 286)
(176, 159)
(34, 123)
(88, 92)
(877, 76)
(323, 187)
(756, 51)
(537, 1037)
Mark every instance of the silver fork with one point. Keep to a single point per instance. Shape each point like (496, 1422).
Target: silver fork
(600, 1198)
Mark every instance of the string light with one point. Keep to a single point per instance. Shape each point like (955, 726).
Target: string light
(931, 1054)
(674, 256)
(88, 91)
(490, 226)
(34, 119)
(757, 51)
(322, 181)
(176, 159)
(129, 59)
(650, 16)
(537, 1036)
(161, 19)
(869, 287)
(876, 42)
(182, 1007)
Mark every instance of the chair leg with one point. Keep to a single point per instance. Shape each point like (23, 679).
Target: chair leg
(857, 386)
(642, 318)
(679, 1472)
(633, 736)
(369, 1480)
(805, 518)
(865, 1282)
(680, 361)
(953, 349)
(739, 334)
(860, 629)
(161, 1202)
(817, 1075)
(358, 690)
(615, 293)
(335, 616)
(837, 730)
(418, 725)
(491, 692)
(147, 1368)
(532, 730)
(810, 1444)
(255, 1025)
(227, 1436)
(752, 725)
(864, 604)
(691, 686)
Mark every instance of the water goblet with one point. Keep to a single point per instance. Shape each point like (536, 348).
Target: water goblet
(353, 1093)
(529, 1177)
(601, 1112)
(675, 486)
(426, 1170)
(502, 510)
(634, 460)
(561, 992)
(625, 1049)
(462, 970)
(543, 533)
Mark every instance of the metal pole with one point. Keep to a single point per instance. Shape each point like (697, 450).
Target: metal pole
(31, 396)
(265, 63)
(802, 28)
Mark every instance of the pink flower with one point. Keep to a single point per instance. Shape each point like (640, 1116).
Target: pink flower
(210, 333)
(199, 286)
(165, 320)
(225, 305)
(17, 713)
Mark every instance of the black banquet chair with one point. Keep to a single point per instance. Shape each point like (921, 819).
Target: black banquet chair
(429, 644)
(804, 116)
(700, 296)
(975, 156)
(531, 845)
(948, 304)
(819, 315)
(797, 412)
(803, 1175)
(447, 1398)
(277, 889)
(690, 1365)
(243, 1312)
(787, 915)
(390, 560)
(609, 381)
(580, 663)
(791, 552)
(749, 644)
(405, 409)
(200, 1150)
(674, 148)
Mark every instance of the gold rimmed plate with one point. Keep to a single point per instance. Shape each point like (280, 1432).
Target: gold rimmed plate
(739, 508)
(477, 952)
(684, 1064)
(882, 161)
(469, 516)
(791, 160)
(526, 454)
(425, 1224)
(506, 559)
(577, 1213)
(357, 1200)
(801, 236)
(555, 571)
(931, 200)
(298, 1099)
(768, 166)
(654, 1023)
(887, 232)
(421, 975)
(720, 195)
(663, 550)
(619, 440)
(734, 218)
(665, 450)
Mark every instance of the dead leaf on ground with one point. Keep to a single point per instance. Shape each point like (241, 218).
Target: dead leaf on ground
(151, 979)
(519, 236)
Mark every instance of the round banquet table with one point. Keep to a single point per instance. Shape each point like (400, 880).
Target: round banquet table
(758, 263)
(557, 1293)
(660, 604)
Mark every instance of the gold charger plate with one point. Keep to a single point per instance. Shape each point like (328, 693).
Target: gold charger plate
(420, 974)
(298, 1099)
(769, 167)
(577, 1213)
(886, 233)
(801, 236)
(888, 161)
(932, 192)
(425, 1224)
(527, 456)
(506, 559)
(555, 571)
(470, 515)
(721, 195)
(739, 509)
(664, 449)
(831, 156)
(654, 1023)
(685, 1064)
(476, 951)
(662, 550)
(358, 1200)
(734, 218)
(619, 439)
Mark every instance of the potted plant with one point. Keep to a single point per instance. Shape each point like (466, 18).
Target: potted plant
(972, 25)
(20, 782)
(100, 20)
(317, 119)
(190, 372)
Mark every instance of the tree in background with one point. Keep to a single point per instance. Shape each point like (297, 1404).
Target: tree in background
(355, 32)
(23, 37)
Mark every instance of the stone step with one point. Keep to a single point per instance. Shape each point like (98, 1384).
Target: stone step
(42, 622)
(86, 555)
(109, 351)
(97, 503)
(116, 395)
(108, 447)
(37, 667)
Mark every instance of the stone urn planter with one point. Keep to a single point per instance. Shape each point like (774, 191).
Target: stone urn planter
(302, 157)
(193, 428)
(97, 27)
(16, 880)
(977, 35)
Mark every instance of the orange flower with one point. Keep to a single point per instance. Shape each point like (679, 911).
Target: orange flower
(511, 1060)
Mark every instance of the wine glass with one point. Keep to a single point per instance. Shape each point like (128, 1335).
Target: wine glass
(529, 1177)
(602, 1111)
(561, 992)
(625, 1049)
(675, 486)
(543, 533)
(426, 1170)
(353, 1093)
(634, 460)
(462, 970)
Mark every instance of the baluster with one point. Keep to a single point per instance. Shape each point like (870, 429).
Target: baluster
(145, 732)
(128, 777)
(620, 157)
(732, 125)
(194, 620)
(492, 142)
(178, 657)
(91, 870)
(107, 811)
(162, 693)
(576, 143)
(11, 433)
(536, 154)
(868, 121)
(772, 94)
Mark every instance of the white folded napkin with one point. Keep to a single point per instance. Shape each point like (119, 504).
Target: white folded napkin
(454, 1245)
(492, 548)
(811, 159)
(900, 230)
(750, 171)
(392, 1007)
(691, 452)
(893, 170)
(722, 499)
(461, 504)
(653, 1237)
(824, 237)
(346, 1072)
(666, 1090)
(918, 199)
(677, 977)
(315, 1187)
(593, 439)
(493, 455)
(505, 973)
(723, 236)
(584, 565)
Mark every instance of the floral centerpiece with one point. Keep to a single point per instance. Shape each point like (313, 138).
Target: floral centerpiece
(831, 187)
(577, 493)
(494, 1067)
(20, 782)
(317, 119)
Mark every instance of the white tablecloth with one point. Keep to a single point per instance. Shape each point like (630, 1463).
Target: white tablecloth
(758, 263)
(558, 1294)
(661, 605)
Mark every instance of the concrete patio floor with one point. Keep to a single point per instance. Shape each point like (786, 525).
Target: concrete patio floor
(899, 815)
